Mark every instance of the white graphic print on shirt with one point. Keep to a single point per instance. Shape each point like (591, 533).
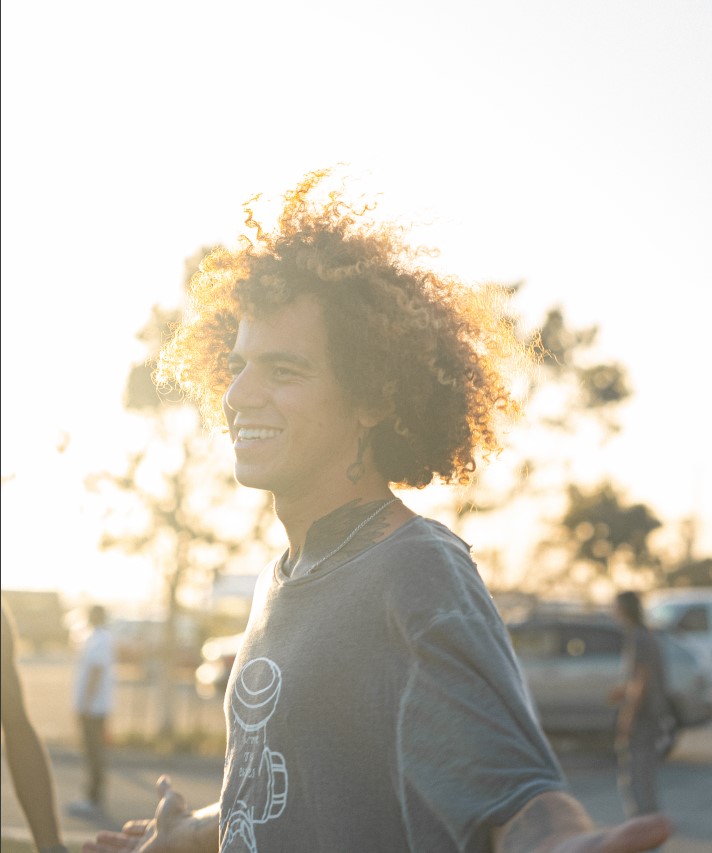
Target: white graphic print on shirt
(259, 773)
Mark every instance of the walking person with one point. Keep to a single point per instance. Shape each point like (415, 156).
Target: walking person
(642, 706)
(93, 696)
(27, 758)
(376, 703)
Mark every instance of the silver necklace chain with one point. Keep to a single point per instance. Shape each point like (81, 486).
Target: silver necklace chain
(349, 537)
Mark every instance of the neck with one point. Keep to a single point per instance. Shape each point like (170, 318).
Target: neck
(299, 513)
(326, 525)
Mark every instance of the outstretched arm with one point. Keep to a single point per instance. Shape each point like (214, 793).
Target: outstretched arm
(26, 755)
(173, 829)
(557, 823)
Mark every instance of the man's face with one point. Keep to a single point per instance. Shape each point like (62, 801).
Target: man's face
(292, 429)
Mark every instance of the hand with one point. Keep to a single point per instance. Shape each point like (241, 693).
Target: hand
(616, 694)
(169, 829)
(555, 822)
(624, 727)
(634, 836)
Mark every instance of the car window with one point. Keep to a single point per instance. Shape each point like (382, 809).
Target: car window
(534, 642)
(586, 640)
(675, 653)
(695, 619)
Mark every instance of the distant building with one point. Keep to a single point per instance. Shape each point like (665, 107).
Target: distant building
(695, 573)
(39, 617)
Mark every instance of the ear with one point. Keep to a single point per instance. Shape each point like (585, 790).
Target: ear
(368, 420)
(374, 412)
(371, 416)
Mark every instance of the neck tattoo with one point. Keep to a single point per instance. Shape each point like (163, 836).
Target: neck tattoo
(346, 541)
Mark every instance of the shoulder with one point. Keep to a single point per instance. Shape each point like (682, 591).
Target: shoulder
(428, 571)
(429, 538)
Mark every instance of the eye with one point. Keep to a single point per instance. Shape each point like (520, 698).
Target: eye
(235, 367)
(281, 373)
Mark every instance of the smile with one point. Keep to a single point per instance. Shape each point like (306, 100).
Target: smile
(256, 433)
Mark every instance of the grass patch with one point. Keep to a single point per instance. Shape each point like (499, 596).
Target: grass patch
(9, 845)
(205, 743)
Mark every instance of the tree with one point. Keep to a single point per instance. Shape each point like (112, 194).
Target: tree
(570, 410)
(175, 500)
(595, 387)
(570, 392)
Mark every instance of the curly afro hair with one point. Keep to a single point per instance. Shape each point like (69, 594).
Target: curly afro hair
(427, 349)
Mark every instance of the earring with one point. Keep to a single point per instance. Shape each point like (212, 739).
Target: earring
(357, 469)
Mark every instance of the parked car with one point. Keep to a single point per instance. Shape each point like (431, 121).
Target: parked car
(571, 664)
(218, 655)
(140, 642)
(686, 613)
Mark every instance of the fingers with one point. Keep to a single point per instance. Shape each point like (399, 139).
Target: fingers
(638, 835)
(135, 828)
(163, 785)
(110, 842)
(634, 836)
(172, 803)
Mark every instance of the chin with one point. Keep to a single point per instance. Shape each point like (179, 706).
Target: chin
(252, 479)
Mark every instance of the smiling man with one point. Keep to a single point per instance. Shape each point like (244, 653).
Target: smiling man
(375, 704)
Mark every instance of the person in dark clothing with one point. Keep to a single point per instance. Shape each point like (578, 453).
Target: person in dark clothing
(642, 705)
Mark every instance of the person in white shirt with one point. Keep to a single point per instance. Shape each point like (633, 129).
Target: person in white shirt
(93, 690)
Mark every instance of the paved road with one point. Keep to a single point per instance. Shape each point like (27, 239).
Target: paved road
(686, 782)
(685, 788)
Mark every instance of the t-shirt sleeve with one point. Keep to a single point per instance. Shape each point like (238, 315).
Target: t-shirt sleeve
(469, 747)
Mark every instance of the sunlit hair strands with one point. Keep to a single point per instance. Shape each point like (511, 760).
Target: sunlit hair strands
(429, 353)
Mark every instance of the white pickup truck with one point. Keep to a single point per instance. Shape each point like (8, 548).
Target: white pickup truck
(687, 613)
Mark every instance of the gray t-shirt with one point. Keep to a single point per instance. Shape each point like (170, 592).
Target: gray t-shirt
(377, 706)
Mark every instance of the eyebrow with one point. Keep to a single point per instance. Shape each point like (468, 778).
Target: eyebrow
(279, 356)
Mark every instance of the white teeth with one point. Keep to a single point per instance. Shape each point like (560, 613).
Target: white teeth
(246, 434)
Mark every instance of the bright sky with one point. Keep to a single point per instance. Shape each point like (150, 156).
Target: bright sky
(561, 141)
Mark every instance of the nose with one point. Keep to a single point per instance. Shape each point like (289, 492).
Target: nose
(245, 392)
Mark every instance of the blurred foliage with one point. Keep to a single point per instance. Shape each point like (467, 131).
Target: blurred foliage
(140, 393)
(571, 411)
(600, 537)
(598, 526)
(595, 387)
(573, 390)
(572, 393)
